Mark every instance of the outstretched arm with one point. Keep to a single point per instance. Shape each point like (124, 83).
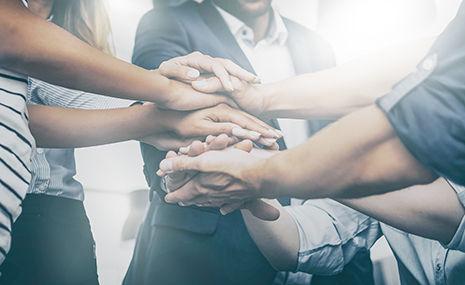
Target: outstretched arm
(35, 47)
(331, 93)
(62, 127)
(358, 155)
(432, 211)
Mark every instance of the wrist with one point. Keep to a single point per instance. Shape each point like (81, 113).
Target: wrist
(151, 119)
(259, 178)
(270, 100)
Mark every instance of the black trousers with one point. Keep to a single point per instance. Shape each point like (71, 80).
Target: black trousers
(51, 244)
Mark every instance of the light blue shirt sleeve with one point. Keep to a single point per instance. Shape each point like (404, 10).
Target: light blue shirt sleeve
(330, 235)
(458, 241)
(41, 93)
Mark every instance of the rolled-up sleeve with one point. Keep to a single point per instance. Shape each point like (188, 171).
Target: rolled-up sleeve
(458, 241)
(427, 109)
(330, 235)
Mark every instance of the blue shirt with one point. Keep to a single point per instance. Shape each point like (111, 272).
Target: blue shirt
(53, 169)
(331, 234)
(427, 109)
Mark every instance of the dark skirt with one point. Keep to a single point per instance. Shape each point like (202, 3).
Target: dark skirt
(51, 244)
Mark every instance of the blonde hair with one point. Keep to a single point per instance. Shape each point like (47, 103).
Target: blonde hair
(86, 19)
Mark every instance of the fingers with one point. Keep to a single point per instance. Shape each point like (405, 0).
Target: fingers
(185, 193)
(225, 114)
(237, 71)
(208, 85)
(262, 210)
(196, 148)
(245, 145)
(229, 208)
(173, 69)
(218, 143)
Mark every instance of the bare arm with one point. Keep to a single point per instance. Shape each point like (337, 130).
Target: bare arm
(277, 240)
(335, 92)
(359, 155)
(62, 127)
(432, 211)
(331, 93)
(35, 47)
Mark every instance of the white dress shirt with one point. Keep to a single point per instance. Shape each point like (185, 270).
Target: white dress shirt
(272, 62)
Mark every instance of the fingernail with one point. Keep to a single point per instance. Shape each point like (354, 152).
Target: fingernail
(193, 73)
(280, 133)
(205, 145)
(274, 133)
(184, 149)
(181, 204)
(230, 86)
(168, 200)
(255, 134)
(268, 140)
(166, 166)
(239, 132)
(223, 212)
(201, 83)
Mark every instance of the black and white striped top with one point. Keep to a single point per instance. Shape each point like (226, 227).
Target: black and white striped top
(16, 145)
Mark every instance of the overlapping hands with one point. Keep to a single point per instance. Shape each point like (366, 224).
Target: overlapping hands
(213, 101)
(225, 189)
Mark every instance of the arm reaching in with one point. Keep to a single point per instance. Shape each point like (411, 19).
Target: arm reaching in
(357, 156)
(432, 211)
(35, 47)
(331, 93)
(61, 127)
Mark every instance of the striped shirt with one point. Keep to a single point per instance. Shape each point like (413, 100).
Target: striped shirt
(16, 144)
(53, 169)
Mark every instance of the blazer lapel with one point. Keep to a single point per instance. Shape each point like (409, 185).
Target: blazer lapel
(299, 50)
(220, 29)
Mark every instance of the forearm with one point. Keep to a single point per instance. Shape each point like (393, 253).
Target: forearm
(358, 155)
(335, 92)
(40, 49)
(61, 127)
(277, 240)
(432, 211)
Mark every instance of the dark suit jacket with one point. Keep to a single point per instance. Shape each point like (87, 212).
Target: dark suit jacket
(190, 245)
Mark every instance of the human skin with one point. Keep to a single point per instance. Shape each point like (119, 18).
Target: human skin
(371, 159)
(37, 48)
(432, 211)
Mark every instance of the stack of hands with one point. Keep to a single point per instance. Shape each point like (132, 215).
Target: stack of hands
(221, 100)
(219, 118)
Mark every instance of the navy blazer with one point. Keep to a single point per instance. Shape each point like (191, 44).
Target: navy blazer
(167, 236)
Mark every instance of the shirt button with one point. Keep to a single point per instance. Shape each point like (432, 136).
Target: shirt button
(41, 187)
(244, 32)
(40, 150)
(428, 64)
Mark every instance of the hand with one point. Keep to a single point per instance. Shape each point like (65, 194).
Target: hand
(258, 208)
(249, 97)
(188, 68)
(184, 127)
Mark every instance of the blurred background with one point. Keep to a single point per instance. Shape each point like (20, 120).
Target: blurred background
(112, 175)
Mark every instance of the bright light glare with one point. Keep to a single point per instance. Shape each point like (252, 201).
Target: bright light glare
(357, 27)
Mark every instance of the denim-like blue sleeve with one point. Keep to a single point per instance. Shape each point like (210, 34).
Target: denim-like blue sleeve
(427, 109)
(330, 235)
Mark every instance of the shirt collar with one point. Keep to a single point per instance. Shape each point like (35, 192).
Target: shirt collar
(277, 32)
